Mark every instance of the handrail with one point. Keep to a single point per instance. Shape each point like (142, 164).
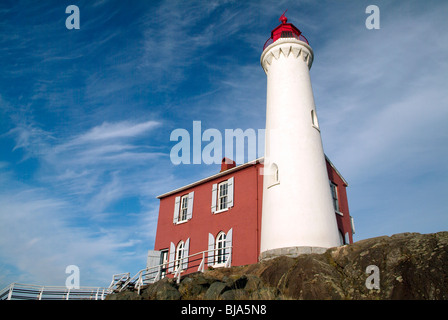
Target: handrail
(118, 278)
(143, 276)
(20, 291)
(5, 292)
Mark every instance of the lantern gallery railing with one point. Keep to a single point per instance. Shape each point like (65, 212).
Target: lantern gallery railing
(301, 37)
(216, 258)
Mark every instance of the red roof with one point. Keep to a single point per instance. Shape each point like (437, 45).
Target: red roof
(285, 30)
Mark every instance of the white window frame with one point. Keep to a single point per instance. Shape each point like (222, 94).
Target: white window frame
(223, 240)
(221, 203)
(352, 223)
(183, 209)
(272, 176)
(335, 198)
(220, 252)
(179, 254)
(217, 205)
(314, 121)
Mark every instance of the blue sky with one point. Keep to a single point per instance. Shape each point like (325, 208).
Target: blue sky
(86, 117)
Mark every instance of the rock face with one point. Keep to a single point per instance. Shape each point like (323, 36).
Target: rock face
(408, 266)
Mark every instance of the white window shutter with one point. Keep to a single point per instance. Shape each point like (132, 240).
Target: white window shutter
(185, 255)
(152, 261)
(230, 188)
(172, 257)
(153, 258)
(190, 205)
(211, 246)
(214, 197)
(176, 209)
(229, 244)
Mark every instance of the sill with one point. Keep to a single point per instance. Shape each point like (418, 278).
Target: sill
(222, 210)
(339, 213)
(219, 265)
(274, 184)
(315, 127)
(181, 222)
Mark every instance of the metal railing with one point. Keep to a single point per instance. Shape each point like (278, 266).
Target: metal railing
(301, 37)
(119, 279)
(20, 291)
(221, 258)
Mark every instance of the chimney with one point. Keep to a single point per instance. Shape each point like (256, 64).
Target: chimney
(227, 164)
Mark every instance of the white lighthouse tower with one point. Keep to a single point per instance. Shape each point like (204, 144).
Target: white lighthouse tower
(298, 214)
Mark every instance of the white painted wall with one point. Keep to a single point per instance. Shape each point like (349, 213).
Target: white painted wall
(298, 211)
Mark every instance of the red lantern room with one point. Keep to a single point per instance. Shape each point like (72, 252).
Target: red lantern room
(285, 30)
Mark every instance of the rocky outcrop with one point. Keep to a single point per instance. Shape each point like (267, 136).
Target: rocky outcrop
(407, 266)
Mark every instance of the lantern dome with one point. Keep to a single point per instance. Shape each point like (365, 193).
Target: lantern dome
(285, 30)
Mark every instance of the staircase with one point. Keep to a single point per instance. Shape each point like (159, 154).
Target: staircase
(184, 265)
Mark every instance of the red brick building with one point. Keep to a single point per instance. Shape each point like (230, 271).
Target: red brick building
(223, 211)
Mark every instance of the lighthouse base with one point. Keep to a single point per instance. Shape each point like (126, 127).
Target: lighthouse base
(291, 252)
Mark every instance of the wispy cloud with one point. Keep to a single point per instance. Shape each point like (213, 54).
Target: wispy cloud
(382, 100)
(112, 131)
(191, 38)
(86, 115)
(100, 167)
(378, 90)
(41, 251)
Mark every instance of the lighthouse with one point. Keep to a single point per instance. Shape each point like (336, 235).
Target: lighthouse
(298, 215)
